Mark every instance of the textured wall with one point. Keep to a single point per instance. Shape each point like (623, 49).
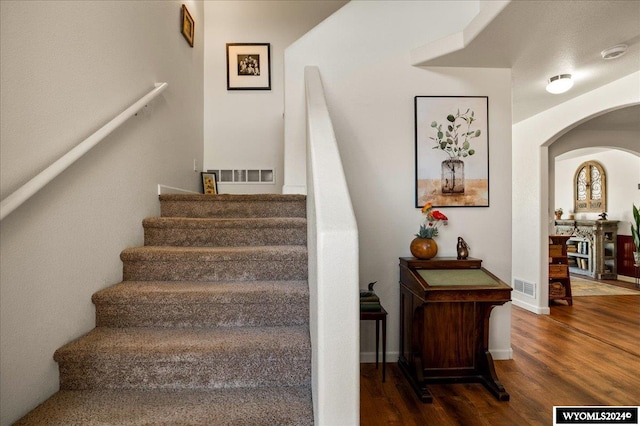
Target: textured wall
(622, 169)
(67, 69)
(362, 53)
(243, 129)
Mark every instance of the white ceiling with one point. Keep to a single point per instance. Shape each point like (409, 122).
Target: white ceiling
(538, 39)
(622, 119)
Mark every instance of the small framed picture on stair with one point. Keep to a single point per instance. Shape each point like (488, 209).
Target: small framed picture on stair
(209, 183)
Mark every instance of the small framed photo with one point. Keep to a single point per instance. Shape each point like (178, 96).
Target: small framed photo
(209, 183)
(248, 66)
(188, 26)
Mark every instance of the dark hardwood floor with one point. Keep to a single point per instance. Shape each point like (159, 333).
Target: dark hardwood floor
(585, 354)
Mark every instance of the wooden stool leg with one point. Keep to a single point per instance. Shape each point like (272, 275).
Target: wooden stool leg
(384, 348)
(377, 340)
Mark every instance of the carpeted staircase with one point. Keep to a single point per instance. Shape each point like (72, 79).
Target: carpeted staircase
(209, 326)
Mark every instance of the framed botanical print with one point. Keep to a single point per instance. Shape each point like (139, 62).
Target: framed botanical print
(248, 66)
(452, 151)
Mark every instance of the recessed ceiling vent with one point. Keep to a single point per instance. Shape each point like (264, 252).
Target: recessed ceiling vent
(524, 287)
(614, 52)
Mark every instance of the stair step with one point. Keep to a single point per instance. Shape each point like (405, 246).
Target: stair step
(233, 205)
(196, 358)
(167, 231)
(283, 406)
(208, 327)
(166, 263)
(202, 304)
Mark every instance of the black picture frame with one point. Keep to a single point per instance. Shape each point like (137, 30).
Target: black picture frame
(248, 66)
(451, 151)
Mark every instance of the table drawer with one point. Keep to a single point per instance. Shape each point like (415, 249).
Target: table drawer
(558, 271)
(555, 250)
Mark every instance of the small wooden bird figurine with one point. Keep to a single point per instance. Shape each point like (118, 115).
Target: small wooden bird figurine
(463, 249)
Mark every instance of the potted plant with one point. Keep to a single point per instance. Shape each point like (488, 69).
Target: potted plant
(635, 233)
(559, 213)
(455, 140)
(424, 246)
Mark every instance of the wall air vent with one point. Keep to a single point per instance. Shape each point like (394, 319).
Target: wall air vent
(524, 287)
(245, 176)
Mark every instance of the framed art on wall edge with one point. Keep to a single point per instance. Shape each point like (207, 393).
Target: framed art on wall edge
(188, 26)
(248, 66)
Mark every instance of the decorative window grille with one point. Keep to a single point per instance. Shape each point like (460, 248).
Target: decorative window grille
(590, 188)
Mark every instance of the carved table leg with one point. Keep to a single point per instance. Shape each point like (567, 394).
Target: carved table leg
(416, 379)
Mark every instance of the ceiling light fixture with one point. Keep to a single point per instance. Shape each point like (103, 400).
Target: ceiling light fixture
(559, 84)
(614, 52)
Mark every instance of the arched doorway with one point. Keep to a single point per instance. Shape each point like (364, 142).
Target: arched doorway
(612, 140)
(532, 195)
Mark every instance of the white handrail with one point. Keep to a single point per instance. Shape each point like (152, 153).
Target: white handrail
(22, 194)
(333, 269)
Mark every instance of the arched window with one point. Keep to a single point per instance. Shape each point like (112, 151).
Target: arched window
(589, 189)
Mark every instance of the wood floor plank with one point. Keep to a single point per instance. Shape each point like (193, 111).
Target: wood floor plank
(586, 354)
(597, 316)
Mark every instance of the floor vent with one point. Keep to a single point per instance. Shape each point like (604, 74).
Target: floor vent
(524, 287)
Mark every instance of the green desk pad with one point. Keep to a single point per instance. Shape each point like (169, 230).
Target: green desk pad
(457, 277)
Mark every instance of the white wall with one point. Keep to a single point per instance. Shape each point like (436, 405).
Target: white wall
(622, 177)
(68, 67)
(363, 56)
(244, 129)
(532, 209)
(332, 235)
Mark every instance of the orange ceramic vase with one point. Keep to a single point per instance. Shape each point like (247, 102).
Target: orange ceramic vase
(424, 248)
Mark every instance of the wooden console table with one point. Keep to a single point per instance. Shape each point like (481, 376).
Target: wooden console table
(445, 306)
(592, 247)
(378, 317)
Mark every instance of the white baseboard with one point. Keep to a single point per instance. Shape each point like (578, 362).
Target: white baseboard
(166, 189)
(501, 354)
(294, 189)
(626, 279)
(540, 310)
